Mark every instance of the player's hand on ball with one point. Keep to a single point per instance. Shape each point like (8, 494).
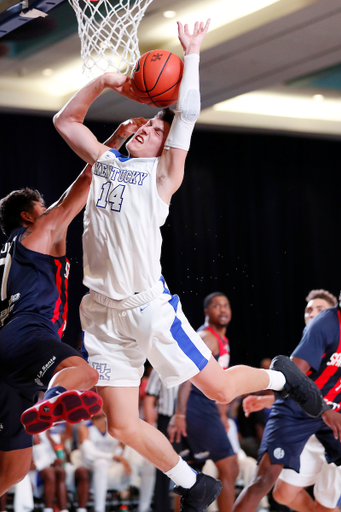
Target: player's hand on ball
(121, 84)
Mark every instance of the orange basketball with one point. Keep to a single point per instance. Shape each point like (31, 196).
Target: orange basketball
(156, 78)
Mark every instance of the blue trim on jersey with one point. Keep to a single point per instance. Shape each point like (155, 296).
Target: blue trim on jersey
(339, 502)
(183, 340)
(165, 289)
(119, 155)
(84, 352)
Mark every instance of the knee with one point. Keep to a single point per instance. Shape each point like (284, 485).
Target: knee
(123, 433)
(229, 470)
(60, 474)
(92, 376)
(82, 475)
(283, 494)
(48, 475)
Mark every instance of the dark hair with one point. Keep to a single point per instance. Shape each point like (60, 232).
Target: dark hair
(12, 205)
(322, 294)
(166, 115)
(211, 296)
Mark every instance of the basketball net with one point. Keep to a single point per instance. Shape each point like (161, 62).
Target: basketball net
(108, 33)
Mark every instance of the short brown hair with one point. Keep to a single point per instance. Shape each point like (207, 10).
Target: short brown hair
(166, 115)
(322, 294)
(13, 204)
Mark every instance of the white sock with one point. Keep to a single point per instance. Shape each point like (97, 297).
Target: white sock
(48, 510)
(81, 510)
(182, 474)
(276, 380)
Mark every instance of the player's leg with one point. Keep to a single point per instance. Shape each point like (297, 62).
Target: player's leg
(227, 473)
(14, 466)
(171, 325)
(121, 408)
(293, 497)
(264, 478)
(74, 373)
(64, 372)
(15, 443)
(225, 385)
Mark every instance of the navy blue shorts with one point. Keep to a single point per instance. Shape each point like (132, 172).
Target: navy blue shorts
(29, 355)
(206, 434)
(286, 432)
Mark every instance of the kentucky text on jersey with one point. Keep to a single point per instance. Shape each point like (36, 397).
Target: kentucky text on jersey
(112, 173)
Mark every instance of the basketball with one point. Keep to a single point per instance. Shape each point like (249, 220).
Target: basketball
(156, 78)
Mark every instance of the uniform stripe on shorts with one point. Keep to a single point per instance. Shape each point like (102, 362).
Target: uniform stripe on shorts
(183, 340)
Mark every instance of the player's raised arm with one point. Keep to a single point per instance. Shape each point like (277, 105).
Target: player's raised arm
(48, 233)
(171, 166)
(69, 120)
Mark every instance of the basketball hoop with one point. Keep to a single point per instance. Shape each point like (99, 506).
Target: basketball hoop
(108, 33)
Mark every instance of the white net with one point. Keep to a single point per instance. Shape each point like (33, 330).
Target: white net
(108, 33)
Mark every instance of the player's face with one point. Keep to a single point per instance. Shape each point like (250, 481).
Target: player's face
(149, 140)
(219, 311)
(313, 308)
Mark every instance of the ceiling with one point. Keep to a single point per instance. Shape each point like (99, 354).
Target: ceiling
(278, 68)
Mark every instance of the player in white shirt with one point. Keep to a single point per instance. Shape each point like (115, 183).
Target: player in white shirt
(129, 314)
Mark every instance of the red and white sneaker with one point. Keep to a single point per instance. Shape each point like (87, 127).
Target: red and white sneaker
(71, 406)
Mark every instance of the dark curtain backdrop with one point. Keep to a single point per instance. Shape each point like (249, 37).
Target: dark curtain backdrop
(257, 217)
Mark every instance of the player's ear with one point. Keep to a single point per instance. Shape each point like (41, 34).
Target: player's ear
(26, 217)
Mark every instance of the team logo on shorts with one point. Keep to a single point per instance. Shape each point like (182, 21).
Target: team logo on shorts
(43, 370)
(201, 455)
(1, 427)
(103, 370)
(279, 453)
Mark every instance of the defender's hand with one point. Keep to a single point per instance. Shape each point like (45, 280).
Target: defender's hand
(333, 420)
(177, 427)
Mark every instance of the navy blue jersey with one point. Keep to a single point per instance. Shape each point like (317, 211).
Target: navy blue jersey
(32, 283)
(320, 346)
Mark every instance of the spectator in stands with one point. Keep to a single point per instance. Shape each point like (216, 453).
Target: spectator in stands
(50, 471)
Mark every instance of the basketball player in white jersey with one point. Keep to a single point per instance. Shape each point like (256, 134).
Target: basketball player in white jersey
(129, 314)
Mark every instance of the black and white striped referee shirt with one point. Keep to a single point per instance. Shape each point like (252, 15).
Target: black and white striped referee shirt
(166, 397)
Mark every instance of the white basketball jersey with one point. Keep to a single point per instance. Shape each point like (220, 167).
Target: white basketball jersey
(123, 215)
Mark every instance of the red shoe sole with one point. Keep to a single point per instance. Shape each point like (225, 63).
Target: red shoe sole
(69, 406)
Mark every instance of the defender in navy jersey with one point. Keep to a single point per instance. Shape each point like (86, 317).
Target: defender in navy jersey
(33, 313)
(201, 422)
(289, 428)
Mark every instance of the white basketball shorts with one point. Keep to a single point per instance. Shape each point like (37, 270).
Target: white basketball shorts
(315, 470)
(120, 335)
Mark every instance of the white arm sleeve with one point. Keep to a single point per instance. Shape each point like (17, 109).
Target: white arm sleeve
(188, 107)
